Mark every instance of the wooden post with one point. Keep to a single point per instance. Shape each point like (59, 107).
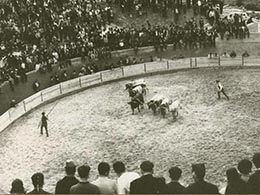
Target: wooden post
(123, 72)
(243, 61)
(60, 89)
(168, 67)
(9, 115)
(80, 84)
(101, 77)
(191, 62)
(24, 106)
(196, 62)
(41, 97)
(144, 67)
(219, 61)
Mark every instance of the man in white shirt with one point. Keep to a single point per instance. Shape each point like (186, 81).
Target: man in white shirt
(221, 90)
(105, 185)
(124, 178)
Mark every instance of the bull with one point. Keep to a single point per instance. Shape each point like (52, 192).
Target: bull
(165, 106)
(135, 103)
(174, 108)
(155, 103)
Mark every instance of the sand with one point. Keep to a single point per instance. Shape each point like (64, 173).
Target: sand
(97, 125)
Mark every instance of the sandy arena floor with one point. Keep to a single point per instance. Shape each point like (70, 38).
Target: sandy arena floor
(96, 125)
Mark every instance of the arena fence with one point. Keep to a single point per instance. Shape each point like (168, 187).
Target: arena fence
(120, 73)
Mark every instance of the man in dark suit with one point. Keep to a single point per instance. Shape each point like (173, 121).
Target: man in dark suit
(200, 186)
(147, 184)
(254, 180)
(84, 187)
(63, 186)
(174, 187)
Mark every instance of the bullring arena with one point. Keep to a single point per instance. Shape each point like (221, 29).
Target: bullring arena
(97, 125)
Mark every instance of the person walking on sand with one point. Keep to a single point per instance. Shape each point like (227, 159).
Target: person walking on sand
(221, 90)
(44, 124)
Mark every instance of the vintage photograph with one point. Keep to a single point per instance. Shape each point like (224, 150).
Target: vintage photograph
(129, 96)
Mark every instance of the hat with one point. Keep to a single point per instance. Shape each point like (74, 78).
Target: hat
(69, 163)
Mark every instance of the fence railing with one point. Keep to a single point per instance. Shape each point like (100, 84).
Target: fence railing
(124, 72)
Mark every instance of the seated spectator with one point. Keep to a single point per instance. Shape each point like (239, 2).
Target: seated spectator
(84, 187)
(200, 186)
(105, 185)
(13, 103)
(38, 182)
(254, 180)
(74, 74)
(36, 86)
(174, 187)
(245, 168)
(63, 186)
(124, 178)
(235, 184)
(147, 183)
(245, 54)
(233, 54)
(17, 187)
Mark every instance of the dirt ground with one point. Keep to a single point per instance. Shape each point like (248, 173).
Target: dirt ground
(97, 125)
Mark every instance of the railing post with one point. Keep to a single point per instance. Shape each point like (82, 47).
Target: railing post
(144, 67)
(196, 62)
(24, 106)
(123, 72)
(80, 84)
(219, 61)
(168, 67)
(101, 77)
(60, 89)
(191, 62)
(243, 60)
(41, 97)
(9, 114)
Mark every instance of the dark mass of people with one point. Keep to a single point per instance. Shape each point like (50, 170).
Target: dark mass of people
(240, 180)
(35, 35)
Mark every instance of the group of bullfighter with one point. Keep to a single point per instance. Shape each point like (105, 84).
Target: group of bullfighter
(158, 103)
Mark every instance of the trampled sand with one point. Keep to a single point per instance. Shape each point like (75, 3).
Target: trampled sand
(97, 125)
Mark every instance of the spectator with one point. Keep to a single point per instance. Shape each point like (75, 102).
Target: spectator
(233, 54)
(17, 187)
(254, 180)
(245, 168)
(105, 185)
(147, 183)
(13, 103)
(63, 186)
(36, 86)
(245, 54)
(84, 187)
(200, 186)
(174, 187)
(38, 182)
(235, 184)
(124, 178)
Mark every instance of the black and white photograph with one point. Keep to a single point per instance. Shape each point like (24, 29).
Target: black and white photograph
(129, 96)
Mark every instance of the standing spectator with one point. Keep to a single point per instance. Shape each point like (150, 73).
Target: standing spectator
(254, 180)
(63, 186)
(245, 168)
(38, 182)
(200, 186)
(17, 187)
(124, 178)
(174, 187)
(147, 183)
(235, 184)
(105, 185)
(84, 187)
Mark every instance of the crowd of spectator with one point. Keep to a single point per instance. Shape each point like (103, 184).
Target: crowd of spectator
(240, 180)
(38, 34)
